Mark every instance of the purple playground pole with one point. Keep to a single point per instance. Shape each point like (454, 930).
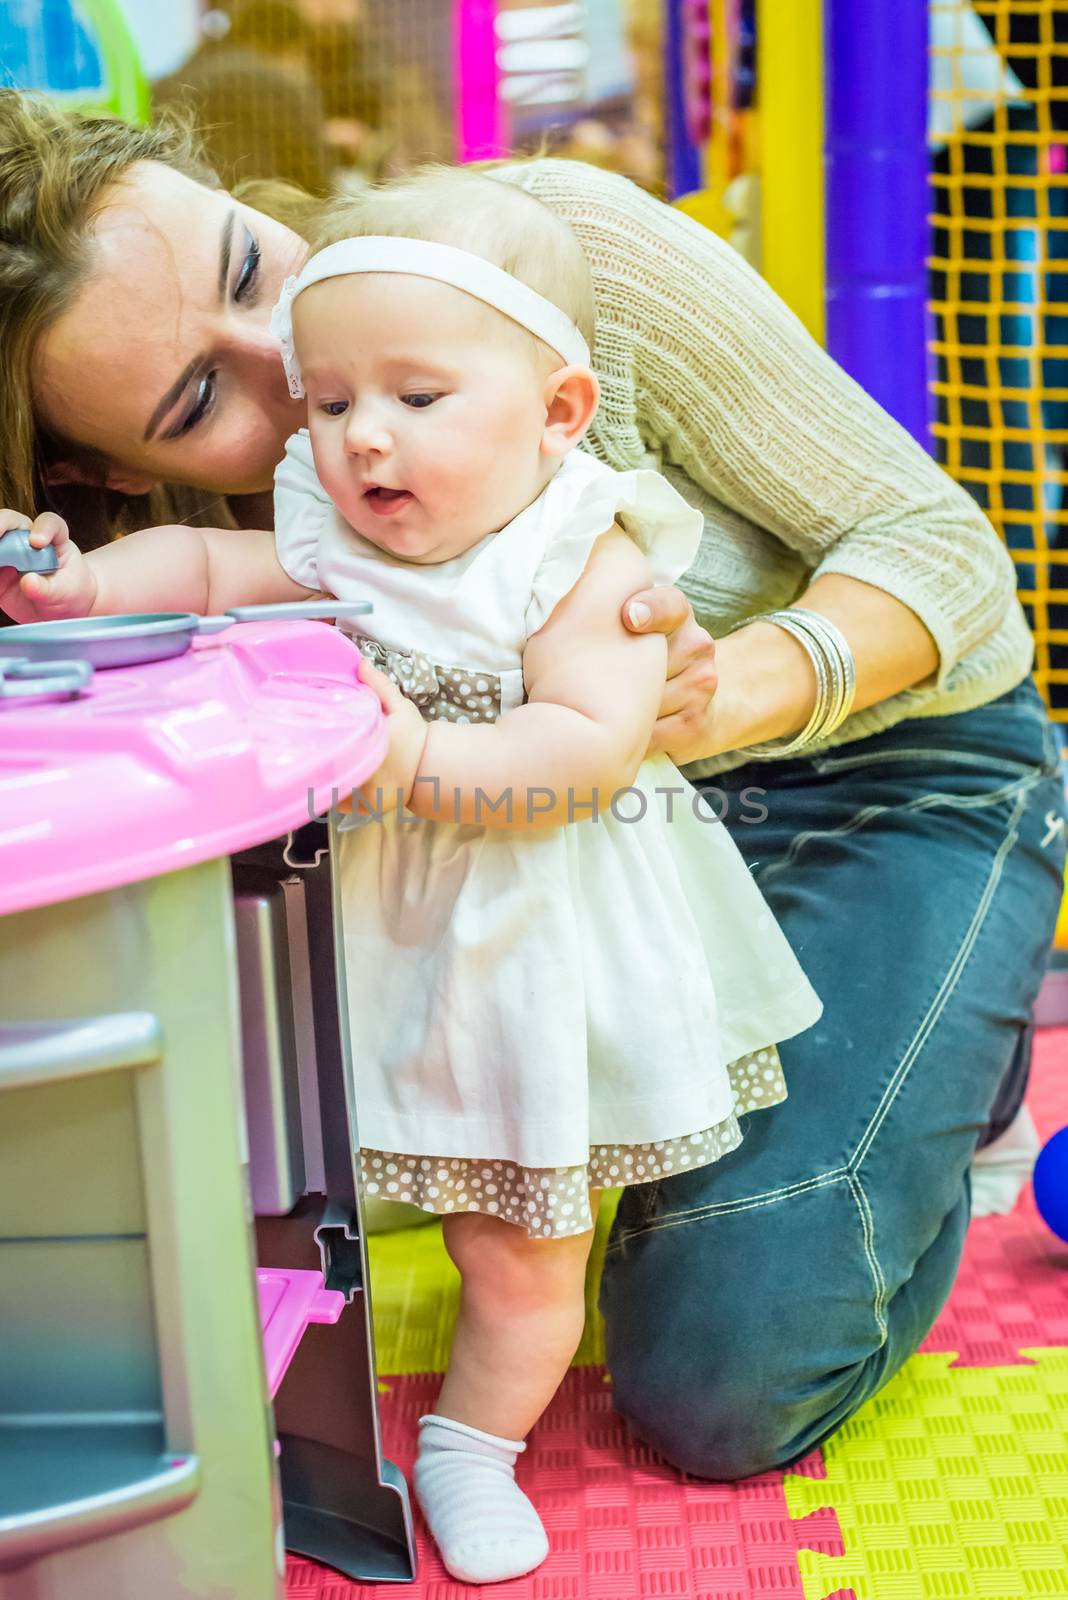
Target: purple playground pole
(877, 232)
(682, 40)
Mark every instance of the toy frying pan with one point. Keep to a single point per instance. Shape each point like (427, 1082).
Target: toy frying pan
(130, 641)
(42, 680)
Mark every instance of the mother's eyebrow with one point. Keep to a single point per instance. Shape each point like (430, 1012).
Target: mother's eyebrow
(226, 242)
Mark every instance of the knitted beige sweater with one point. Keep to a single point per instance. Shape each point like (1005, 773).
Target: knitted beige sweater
(707, 376)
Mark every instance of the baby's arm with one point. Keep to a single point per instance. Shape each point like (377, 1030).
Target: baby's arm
(593, 692)
(206, 570)
(159, 569)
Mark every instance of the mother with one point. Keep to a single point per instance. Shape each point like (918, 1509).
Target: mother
(914, 859)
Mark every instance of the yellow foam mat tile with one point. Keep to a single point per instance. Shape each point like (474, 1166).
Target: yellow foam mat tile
(952, 1484)
(415, 1294)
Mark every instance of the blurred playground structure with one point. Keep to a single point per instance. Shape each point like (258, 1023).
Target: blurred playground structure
(898, 171)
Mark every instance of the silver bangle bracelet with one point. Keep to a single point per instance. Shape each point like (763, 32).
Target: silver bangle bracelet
(840, 658)
(834, 668)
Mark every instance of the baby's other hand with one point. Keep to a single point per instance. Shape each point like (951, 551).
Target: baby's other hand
(42, 596)
(392, 784)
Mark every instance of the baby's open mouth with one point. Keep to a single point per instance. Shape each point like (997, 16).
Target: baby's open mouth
(386, 501)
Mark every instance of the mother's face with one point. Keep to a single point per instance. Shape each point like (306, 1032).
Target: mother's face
(163, 363)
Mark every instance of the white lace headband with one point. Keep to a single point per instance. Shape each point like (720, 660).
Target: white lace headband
(443, 262)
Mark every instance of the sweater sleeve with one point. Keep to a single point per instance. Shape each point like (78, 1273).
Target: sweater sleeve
(728, 386)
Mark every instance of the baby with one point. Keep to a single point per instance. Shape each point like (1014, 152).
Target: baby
(561, 976)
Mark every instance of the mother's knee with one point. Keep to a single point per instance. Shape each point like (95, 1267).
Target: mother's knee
(729, 1368)
(752, 1398)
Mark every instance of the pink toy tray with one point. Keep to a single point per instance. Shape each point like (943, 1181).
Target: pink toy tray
(160, 766)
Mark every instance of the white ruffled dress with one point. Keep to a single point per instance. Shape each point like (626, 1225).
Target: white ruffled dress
(538, 1012)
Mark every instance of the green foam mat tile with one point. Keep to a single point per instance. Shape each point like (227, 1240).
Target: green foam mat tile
(415, 1294)
(952, 1484)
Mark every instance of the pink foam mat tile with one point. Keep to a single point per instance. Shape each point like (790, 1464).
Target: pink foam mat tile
(1047, 1093)
(622, 1524)
(1011, 1292)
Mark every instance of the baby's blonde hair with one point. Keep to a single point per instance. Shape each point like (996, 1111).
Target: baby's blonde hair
(488, 217)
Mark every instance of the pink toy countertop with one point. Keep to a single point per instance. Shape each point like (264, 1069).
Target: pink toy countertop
(161, 766)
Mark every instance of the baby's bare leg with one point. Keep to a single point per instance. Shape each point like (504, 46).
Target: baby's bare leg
(522, 1308)
(521, 1316)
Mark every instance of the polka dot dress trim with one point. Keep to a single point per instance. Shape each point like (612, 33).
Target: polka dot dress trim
(553, 1202)
(465, 697)
(450, 694)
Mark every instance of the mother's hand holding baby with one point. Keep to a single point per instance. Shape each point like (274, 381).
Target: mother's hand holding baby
(683, 726)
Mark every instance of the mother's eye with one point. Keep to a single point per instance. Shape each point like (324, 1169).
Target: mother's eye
(203, 403)
(246, 288)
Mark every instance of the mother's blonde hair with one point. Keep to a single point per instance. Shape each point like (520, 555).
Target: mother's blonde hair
(55, 169)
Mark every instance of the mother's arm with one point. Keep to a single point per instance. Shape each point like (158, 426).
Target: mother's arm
(767, 686)
(759, 684)
(731, 389)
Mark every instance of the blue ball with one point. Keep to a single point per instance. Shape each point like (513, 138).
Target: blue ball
(1051, 1184)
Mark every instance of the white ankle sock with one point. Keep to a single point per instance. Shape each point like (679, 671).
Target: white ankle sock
(482, 1522)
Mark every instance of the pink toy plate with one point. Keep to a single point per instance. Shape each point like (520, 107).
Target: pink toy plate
(158, 767)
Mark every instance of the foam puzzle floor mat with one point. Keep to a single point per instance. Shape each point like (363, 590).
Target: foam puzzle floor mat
(952, 1483)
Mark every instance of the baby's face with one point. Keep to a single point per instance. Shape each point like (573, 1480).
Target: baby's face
(426, 411)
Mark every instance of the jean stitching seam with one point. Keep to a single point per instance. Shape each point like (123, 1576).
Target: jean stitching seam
(723, 1208)
(923, 803)
(867, 1229)
(945, 991)
(883, 757)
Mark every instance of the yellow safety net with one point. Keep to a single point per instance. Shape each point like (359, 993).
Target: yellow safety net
(999, 289)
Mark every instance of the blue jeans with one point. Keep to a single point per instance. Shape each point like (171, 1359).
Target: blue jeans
(752, 1306)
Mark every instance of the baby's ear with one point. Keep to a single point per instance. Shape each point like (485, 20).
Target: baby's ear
(571, 395)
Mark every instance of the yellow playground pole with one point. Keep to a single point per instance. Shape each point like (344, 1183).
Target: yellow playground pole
(790, 78)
